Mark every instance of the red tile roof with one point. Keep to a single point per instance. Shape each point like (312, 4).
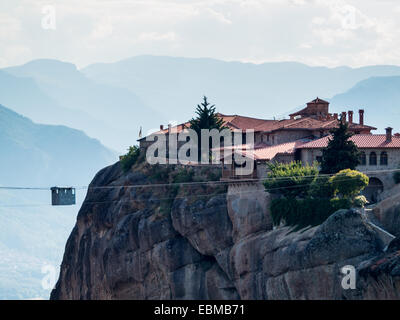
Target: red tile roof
(236, 122)
(244, 123)
(307, 123)
(263, 152)
(362, 141)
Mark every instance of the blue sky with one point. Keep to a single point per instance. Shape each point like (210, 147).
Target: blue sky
(316, 32)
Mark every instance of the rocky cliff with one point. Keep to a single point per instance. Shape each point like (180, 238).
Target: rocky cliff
(135, 240)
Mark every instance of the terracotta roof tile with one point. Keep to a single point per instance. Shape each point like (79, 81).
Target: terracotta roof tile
(307, 123)
(270, 152)
(242, 122)
(236, 122)
(362, 141)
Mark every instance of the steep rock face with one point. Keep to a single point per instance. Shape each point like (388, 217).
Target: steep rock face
(206, 241)
(387, 212)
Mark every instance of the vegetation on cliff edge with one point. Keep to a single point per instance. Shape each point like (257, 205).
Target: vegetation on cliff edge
(304, 197)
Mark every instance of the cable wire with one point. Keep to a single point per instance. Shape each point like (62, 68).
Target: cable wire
(194, 195)
(149, 185)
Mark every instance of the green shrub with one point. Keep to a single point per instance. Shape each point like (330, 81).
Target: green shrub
(305, 212)
(349, 183)
(159, 173)
(321, 188)
(360, 201)
(129, 159)
(183, 175)
(211, 174)
(290, 179)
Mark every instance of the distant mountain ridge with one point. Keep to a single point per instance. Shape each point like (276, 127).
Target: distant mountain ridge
(379, 96)
(113, 115)
(260, 90)
(34, 154)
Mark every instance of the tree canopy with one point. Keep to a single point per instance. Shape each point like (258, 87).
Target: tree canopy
(349, 183)
(290, 179)
(129, 159)
(206, 118)
(341, 153)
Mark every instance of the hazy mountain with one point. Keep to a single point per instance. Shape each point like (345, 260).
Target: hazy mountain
(263, 90)
(35, 154)
(379, 96)
(32, 233)
(59, 92)
(111, 101)
(24, 96)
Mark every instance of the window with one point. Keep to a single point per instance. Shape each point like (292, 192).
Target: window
(372, 159)
(384, 159)
(363, 159)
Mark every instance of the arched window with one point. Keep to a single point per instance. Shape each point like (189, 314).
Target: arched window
(372, 159)
(363, 159)
(384, 159)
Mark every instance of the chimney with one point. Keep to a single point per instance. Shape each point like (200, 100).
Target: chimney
(161, 127)
(351, 117)
(389, 134)
(344, 114)
(169, 128)
(335, 116)
(361, 112)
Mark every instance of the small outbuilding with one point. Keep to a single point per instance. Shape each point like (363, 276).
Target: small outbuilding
(63, 196)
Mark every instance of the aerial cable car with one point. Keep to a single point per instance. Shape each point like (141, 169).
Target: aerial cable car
(63, 196)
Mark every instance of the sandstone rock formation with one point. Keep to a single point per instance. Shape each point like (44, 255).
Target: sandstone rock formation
(203, 241)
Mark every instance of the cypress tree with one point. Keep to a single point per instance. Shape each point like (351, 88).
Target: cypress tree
(207, 118)
(341, 153)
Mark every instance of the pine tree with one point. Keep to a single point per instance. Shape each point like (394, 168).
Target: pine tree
(341, 153)
(206, 118)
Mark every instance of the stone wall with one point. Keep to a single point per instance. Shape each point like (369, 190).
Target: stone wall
(283, 136)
